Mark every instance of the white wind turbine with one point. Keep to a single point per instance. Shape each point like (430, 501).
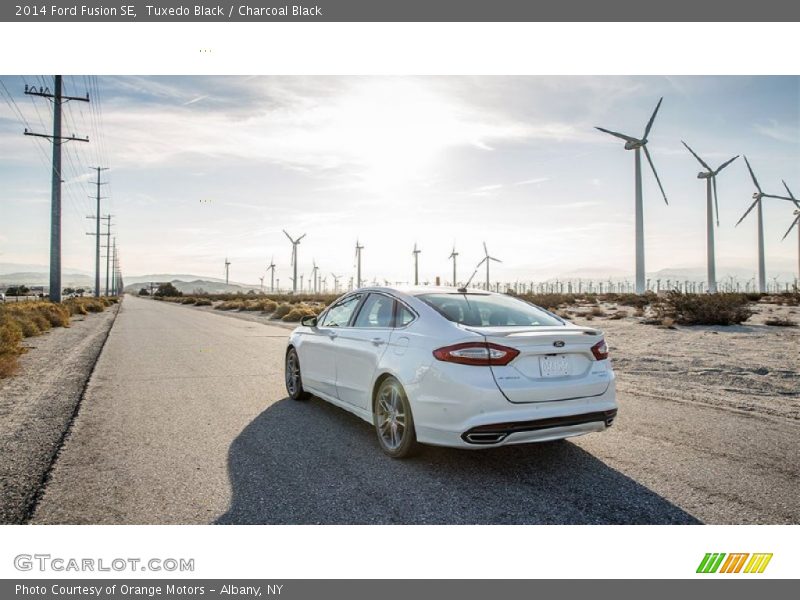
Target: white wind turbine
(295, 243)
(416, 263)
(454, 256)
(757, 196)
(336, 282)
(271, 268)
(359, 248)
(487, 259)
(795, 223)
(314, 273)
(710, 175)
(632, 143)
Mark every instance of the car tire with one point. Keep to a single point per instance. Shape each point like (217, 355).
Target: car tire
(394, 423)
(293, 378)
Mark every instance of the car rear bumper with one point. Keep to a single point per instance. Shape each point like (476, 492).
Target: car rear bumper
(450, 411)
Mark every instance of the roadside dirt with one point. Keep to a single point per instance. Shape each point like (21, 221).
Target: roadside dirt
(38, 404)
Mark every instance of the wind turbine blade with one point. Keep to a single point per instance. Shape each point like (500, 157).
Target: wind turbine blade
(300, 238)
(778, 197)
(791, 195)
(485, 250)
(700, 160)
(788, 231)
(288, 236)
(725, 164)
(753, 175)
(483, 260)
(494, 259)
(652, 166)
(617, 134)
(752, 206)
(716, 201)
(652, 118)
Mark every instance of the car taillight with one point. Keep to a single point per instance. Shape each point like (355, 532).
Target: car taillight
(482, 354)
(600, 350)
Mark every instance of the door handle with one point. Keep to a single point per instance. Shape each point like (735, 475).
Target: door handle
(332, 334)
(378, 341)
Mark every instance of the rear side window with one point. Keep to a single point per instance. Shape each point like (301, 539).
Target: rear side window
(484, 310)
(377, 311)
(339, 314)
(404, 316)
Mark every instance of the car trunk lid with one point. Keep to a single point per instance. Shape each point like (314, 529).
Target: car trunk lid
(554, 363)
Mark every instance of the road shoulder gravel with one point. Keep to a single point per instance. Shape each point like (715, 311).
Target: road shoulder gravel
(38, 405)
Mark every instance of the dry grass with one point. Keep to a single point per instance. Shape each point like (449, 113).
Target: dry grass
(700, 309)
(27, 319)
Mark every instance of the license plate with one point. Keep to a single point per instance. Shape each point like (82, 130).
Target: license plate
(554, 366)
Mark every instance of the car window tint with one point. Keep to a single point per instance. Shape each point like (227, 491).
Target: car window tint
(377, 311)
(404, 316)
(339, 314)
(484, 310)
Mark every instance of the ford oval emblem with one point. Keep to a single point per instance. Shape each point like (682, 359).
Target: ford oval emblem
(558, 344)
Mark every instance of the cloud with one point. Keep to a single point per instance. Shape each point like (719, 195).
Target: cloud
(782, 133)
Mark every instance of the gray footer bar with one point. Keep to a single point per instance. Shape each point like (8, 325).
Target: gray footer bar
(397, 589)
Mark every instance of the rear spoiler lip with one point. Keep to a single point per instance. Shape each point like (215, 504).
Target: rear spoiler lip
(506, 331)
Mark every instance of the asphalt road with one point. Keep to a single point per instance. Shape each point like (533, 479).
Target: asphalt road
(185, 420)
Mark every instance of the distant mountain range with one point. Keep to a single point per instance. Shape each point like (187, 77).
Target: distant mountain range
(187, 285)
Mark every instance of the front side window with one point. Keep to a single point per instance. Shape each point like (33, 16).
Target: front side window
(377, 311)
(484, 310)
(339, 314)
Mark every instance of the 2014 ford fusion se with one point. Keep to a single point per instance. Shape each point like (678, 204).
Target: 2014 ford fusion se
(453, 367)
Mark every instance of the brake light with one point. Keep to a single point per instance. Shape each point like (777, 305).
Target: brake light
(600, 350)
(481, 354)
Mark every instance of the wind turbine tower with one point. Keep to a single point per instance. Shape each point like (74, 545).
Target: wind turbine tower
(295, 243)
(227, 269)
(454, 256)
(271, 269)
(710, 175)
(359, 248)
(795, 223)
(757, 196)
(314, 273)
(637, 145)
(487, 259)
(416, 264)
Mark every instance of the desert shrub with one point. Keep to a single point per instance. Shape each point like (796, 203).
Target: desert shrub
(550, 301)
(282, 310)
(635, 300)
(703, 309)
(230, 305)
(617, 315)
(589, 317)
(168, 290)
(780, 322)
(188, 300)
(597, 311)
(298, 312)
(268, 306)
(202, 302)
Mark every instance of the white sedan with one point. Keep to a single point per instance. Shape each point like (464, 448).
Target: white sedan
(453, 367)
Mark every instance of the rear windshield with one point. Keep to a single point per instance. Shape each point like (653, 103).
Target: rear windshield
(484, 310)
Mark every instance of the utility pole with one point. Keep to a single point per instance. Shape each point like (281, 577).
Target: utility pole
(97, 217)
(114, 267)
(55, 203)
(107, 219)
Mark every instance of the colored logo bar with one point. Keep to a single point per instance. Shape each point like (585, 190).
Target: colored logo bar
(737, 562)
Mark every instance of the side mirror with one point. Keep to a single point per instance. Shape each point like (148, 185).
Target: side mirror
(310, 321)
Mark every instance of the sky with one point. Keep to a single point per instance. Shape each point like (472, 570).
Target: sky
(204, 168)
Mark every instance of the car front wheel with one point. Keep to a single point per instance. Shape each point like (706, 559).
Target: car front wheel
(294, 379)
(394, 422)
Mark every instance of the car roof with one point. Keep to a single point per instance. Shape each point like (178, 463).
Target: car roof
(418, 290)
